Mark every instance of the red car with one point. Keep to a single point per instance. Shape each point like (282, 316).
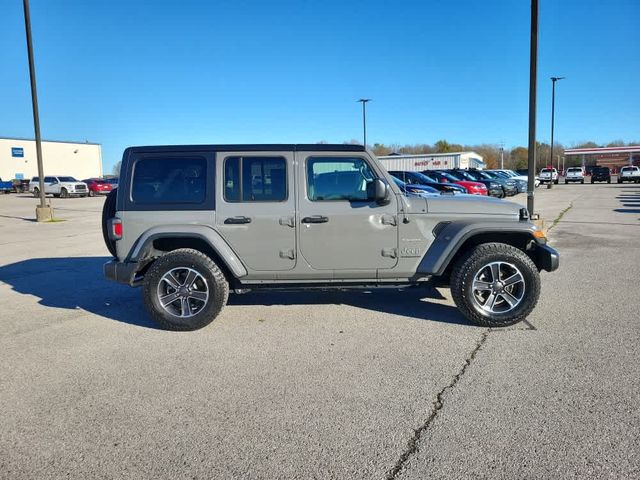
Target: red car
(98, 186)
(473, 188)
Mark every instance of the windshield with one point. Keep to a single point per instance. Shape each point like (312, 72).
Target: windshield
(67, 179)
(449, 176)
(466, 175)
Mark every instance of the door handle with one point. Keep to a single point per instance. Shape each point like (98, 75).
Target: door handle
(315, 219)
(236, 220)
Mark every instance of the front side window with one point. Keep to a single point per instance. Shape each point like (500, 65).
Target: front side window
(169, 180)
(338, 178)
(255, 179)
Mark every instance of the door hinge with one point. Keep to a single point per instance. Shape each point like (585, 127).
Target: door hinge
(287, 222)
(287, 253)
(389, 220)
(390, 252)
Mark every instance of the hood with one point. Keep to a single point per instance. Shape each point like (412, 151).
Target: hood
(472, 204)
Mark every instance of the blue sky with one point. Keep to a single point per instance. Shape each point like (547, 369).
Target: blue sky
(134, 73)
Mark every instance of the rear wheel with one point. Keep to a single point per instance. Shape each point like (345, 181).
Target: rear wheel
(582, 181)
(108, 212)
(184, 290)
(556, 181)
(495, 285)
(608, 180)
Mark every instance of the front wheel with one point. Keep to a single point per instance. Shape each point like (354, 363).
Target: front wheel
(556, 181)
(184, 290)
(36, 192)
(64, 193)
(92, 193)
(582, 181)
(495, 285)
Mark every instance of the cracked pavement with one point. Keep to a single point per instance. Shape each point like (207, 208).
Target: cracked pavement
(381, 384)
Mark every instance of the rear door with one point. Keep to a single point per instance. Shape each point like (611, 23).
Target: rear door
(255, 212)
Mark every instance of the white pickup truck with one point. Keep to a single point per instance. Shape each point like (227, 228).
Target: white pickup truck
(59, 187)
(630, 173)
(574, 174)
(548, 175)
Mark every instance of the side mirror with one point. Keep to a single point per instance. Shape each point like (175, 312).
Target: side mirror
(380, 191)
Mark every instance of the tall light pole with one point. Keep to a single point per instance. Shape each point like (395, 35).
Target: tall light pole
(364, 119)
(553, 114)
(43, 212)
(533, 75)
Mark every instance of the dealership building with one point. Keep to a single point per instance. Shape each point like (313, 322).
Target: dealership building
(18, 159)
(432, 161)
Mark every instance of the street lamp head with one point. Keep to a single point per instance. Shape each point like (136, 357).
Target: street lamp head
(364, 100)
(555, 79)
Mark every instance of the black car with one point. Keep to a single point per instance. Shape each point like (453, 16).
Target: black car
(600, 174)
(494, 187)
(417, 178)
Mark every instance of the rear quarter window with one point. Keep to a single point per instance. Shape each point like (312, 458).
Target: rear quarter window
(166, 180)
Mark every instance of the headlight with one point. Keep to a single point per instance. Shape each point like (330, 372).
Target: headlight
(494, 185)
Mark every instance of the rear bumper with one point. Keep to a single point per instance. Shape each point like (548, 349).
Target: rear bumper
(547, 258)
(121, 272)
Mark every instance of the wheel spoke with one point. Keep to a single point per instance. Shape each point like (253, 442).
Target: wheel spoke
(490, 301)
(170, 298)
(185, 307)
(510, 299)
(482, 286)
(513, 279)
(191, 278)
(197, 295)
(171, 280)
(495, 272)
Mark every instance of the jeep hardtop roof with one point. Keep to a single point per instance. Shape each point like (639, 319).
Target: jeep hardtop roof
(303, 147)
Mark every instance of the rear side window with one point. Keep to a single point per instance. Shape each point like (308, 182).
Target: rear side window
(255, 179)
(169, 180)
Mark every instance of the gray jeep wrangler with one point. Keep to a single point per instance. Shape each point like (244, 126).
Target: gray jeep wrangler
(191, 223)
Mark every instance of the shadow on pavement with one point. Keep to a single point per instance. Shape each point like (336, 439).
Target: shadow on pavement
(78, 283)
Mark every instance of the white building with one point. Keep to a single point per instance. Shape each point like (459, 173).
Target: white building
(18, 159)
(432, 161)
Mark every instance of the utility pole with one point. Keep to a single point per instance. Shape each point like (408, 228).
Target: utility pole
(533, 72)
(553, 114)
(364, 119)
(502, 156)
(43, 212)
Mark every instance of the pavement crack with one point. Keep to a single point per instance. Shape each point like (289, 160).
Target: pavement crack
(412, 444)
(560, 215)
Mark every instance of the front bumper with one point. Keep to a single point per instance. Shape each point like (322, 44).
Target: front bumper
(547, 258)
(121, 272)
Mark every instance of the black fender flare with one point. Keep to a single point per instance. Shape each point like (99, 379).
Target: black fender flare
(144, 244)
(450, 238)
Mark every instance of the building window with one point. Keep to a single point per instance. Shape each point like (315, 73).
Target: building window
(255, 179)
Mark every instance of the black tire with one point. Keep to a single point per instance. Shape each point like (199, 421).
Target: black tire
(592, 181)
(473, 263)
(619, 181)
(36, 192)
(64, 193)
(582, 181)
(608, 180)
(218, 289)
(556, 181)
(565, 182)
(108, 212)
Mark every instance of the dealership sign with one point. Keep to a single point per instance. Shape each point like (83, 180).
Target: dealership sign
(17, 152)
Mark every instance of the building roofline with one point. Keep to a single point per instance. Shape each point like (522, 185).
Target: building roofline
(415, 155)
(49, 141)
(596, 150)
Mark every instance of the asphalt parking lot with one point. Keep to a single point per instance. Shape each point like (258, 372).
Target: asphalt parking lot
(375, 385)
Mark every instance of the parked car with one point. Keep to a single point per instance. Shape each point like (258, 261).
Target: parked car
(548, 175)
(509, 185)
(630, 173)
(600, 174)
(98, 186)
(417, 178)
(192, 223)
(518, 177)
(574, 174)
(113, 181)
(20, 185)
(59, 186)
(6, 187)
(472, 187)
(494, 188)
(420, 190)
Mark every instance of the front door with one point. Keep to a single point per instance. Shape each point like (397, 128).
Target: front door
(341, 228)
(255, 209)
